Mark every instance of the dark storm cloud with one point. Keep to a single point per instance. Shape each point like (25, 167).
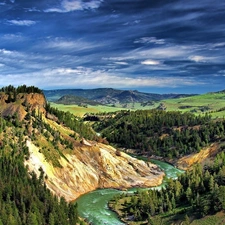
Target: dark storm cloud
(174, 45)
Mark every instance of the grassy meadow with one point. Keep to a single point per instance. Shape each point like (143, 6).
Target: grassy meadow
(81, 111)
(213, 103)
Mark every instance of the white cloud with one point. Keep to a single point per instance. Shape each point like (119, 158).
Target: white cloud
(12, 54)
(163, 52)
(199, 58)
(21, 22)
(221, 44)
(150, 62)
(74, 5)
(6, 52)
(147, 40)
(119, 58)
(64, 44)
(82, 77)
(13, 37)
(121, 63)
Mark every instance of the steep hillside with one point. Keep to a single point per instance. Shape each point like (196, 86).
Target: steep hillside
(90, 166)
(21, 103)
(59, 151)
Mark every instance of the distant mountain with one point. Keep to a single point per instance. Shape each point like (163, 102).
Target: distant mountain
(107, 95)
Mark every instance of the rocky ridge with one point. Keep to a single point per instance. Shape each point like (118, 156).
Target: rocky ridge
(33, 101)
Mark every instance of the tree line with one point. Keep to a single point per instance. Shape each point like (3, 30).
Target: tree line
(20, 89)
(12, 91)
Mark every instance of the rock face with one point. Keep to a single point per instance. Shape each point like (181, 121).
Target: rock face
(23, 100)
(93, 165)
(205, 154)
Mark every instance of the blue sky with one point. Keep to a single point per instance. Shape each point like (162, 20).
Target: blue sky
(159, 46)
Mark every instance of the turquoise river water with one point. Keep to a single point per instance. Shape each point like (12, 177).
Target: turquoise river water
(94, 205)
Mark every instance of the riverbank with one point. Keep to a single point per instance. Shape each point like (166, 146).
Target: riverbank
(184, 162)
(117, 207)
(94, 205)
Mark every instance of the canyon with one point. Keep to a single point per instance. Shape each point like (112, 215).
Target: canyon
(92, 166)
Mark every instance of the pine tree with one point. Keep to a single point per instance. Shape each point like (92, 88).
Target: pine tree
(186, 220)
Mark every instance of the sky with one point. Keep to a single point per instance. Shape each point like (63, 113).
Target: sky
(155, 46)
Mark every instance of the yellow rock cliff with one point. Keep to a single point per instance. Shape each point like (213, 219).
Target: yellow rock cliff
(93, 165)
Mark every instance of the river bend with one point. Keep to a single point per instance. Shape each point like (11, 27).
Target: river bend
(94, 205)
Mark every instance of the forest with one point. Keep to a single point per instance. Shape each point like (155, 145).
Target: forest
(196, 193)
(161, 133)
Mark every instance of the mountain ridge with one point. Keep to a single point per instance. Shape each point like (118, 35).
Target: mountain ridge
(110, 95)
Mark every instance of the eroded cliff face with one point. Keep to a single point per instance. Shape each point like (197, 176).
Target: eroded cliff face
(33, 101)
(93, 165)
(201, 157)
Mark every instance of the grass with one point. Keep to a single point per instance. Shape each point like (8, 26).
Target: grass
(212, 103)
(81, 111)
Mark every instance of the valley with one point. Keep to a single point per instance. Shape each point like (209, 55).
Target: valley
(72, 153)
(212, 102)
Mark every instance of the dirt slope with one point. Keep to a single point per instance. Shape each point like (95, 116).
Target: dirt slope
(205, 154)
(93, 165)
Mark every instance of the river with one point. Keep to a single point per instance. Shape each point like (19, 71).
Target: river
(94, 205)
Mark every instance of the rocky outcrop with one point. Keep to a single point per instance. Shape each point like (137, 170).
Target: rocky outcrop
(22, 104)
(93, 165)
(35, 101)
(205, 154)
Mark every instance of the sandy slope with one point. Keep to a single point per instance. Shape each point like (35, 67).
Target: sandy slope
(93, 165)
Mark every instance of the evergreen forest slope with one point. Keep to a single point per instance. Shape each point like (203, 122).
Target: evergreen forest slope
(170, 135)
(24, 197)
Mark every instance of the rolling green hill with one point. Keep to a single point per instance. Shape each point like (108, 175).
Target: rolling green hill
(76, 100)
(213, 103)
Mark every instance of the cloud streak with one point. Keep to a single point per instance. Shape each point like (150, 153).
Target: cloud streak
(21, 22)
(150, 62)
(74, 5)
